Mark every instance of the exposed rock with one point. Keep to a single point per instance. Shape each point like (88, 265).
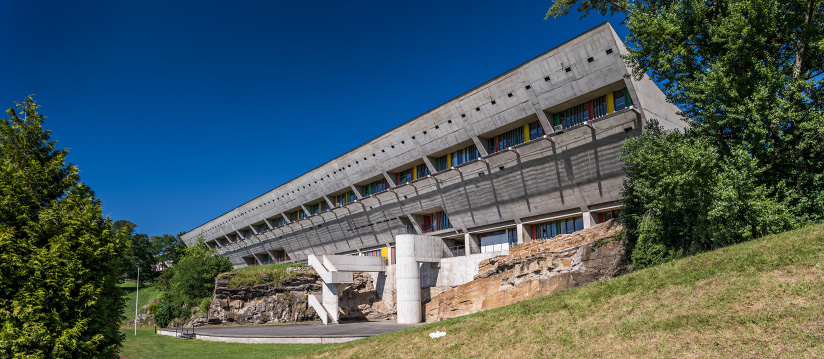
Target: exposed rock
(532, 270)
(287, 301)
(360, 301)
(262, 303)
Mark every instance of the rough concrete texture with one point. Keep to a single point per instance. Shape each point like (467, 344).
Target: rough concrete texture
(532, 270)
(574, 170)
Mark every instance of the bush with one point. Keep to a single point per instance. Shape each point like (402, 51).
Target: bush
(204, 305)
(188, 282)
(682, 197)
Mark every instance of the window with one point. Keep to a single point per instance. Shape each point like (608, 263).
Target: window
(512, 235)
(535, 130)
(507, 139)
(344, 198)
(260, 228)
(441, 163)
(499, 240)
(605, 216)
(551, 229)
(421, 171)
(265, 258)
(459, 157)
(622, 99)
(297, 215)
(599, 107)
(435, 222)
(374, 187)
(403, 177)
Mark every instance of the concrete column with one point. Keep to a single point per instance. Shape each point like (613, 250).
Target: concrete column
(330, 301)
(589, 221)
(467, 245)
(519, 228)
(407, 280)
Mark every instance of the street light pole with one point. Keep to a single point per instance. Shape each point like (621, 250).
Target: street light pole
(136, 297)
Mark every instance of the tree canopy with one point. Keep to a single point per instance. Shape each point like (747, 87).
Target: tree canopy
(749, 74)
(59, 258)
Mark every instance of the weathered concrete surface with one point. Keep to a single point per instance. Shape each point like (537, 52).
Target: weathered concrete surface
(532, 270)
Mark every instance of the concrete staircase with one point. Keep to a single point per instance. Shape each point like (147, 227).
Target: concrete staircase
(335, 270)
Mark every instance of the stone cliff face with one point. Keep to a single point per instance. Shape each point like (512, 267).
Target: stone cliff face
(360, 300)
(532, 270)
(287, 301)
(263, 303)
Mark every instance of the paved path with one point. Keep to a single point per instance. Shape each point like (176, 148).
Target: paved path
(294, 333)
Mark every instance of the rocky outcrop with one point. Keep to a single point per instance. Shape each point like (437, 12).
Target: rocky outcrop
(287, 300)
(269, 302)
(361, 301)
(532, 270)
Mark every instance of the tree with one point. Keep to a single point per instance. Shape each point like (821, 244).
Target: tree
(140, 252)
(190, 280)
(168, 249)
(749, 73)
(681, 197)
(59, 258)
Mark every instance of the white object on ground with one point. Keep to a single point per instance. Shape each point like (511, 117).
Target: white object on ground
(437, 334)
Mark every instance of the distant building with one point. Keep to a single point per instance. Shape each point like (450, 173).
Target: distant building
(525, 156)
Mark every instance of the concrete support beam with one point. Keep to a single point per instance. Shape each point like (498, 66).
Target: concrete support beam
(410, 251)
(519, 229)
(357, 192)
(329, 298)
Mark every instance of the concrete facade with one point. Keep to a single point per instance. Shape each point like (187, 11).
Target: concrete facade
(570, 173)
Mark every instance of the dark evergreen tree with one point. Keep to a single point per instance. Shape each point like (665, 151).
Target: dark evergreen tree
(59, 258)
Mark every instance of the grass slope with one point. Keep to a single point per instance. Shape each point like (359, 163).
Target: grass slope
(252, 275)
(147, 345)
(147, 293)
(763, 298)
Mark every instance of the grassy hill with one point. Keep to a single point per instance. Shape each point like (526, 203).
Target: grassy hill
(147, 293)
(763, 298)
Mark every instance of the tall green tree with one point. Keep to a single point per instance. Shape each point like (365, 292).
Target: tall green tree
(749, 73)
(190, 280)
(139, 253)
(59, 258)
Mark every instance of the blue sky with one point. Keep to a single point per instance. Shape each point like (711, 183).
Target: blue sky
(176, 112)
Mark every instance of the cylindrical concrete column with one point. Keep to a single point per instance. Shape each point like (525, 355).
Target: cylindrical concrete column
(407, 280)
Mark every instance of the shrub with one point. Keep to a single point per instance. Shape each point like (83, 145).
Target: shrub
(681, 197)
(204, 305)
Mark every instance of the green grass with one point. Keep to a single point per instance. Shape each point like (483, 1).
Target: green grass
(147, 345)
(764, 298)
(272, 273)
(147, 293)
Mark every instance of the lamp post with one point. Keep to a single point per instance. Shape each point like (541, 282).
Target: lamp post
(136, 297)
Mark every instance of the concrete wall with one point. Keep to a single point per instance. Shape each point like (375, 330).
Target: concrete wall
(459, 270)
(577, 170)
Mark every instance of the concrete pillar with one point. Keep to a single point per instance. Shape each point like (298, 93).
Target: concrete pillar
(519, 228)
(330, 300)
(589, 221)
(407, 280)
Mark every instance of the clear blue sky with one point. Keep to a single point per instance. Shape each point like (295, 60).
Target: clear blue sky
(176, 112)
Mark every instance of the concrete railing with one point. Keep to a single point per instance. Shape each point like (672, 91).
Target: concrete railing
(315, 303)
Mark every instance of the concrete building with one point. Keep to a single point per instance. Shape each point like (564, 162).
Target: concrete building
(525, 156)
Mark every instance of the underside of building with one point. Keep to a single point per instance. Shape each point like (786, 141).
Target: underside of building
(528, 155)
